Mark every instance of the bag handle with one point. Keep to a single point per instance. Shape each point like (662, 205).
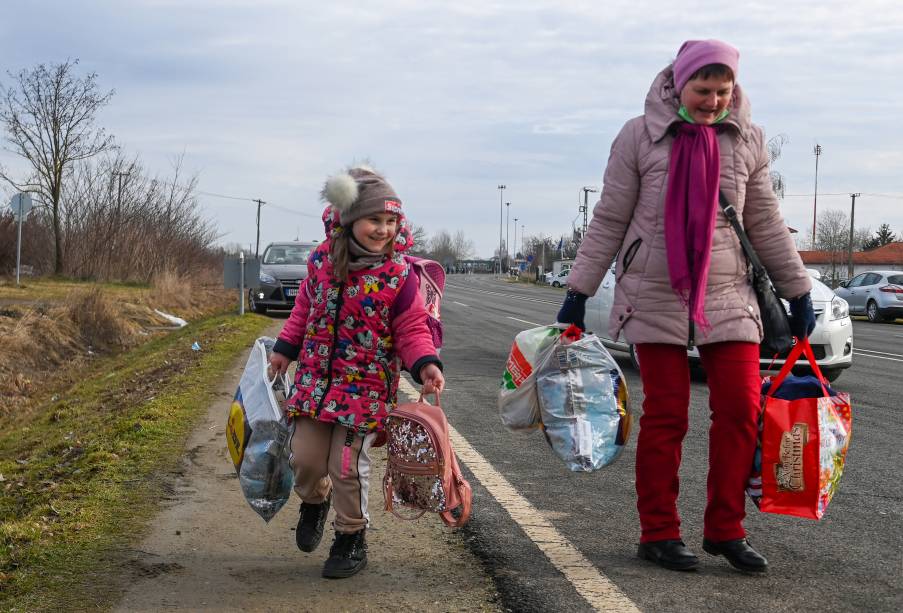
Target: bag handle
(435, 395)
(802, 347)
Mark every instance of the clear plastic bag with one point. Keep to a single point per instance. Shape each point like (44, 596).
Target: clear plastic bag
(257, 434)
(584, 404)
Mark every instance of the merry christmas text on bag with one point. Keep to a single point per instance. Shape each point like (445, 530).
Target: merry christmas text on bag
(422, 472)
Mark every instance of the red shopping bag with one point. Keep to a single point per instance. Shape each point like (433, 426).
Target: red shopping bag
(803, 444)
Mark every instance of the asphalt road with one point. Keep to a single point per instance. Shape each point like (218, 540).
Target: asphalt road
(850, 560)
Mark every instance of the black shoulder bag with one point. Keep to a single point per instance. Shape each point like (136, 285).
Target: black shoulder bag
(775, 324)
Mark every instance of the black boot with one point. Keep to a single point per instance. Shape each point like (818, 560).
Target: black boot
(311, 519)
(739, 553)
(347, 556)
(671, 554)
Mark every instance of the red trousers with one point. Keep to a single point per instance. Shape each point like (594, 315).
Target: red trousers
(732, 370)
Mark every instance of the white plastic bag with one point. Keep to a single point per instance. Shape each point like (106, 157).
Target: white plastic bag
(584, 405)
(518, 403)
(257, 434)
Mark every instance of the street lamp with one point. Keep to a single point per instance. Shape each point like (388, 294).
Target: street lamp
(515, 240)
(817, 152)
(501, 189)
(507, 224)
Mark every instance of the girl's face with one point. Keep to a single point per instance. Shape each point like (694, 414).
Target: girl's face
(706, 99)
(375, 232)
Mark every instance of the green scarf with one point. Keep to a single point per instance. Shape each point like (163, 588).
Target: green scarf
(685, 114)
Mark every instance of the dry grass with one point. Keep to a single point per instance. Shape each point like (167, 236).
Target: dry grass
(50, 328)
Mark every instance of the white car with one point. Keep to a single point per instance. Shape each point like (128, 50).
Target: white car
(559, 280)
(832, 339)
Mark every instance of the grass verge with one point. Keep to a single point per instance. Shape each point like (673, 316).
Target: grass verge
(80, 480)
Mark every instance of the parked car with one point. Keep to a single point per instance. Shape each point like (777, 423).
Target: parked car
(559, 280)
(282, 269)
(877, 294)
(832, 339)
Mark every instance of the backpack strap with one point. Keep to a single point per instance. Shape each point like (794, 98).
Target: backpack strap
(466, 495)
(408, 290)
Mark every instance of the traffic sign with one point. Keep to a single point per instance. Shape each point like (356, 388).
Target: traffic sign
(20, 204)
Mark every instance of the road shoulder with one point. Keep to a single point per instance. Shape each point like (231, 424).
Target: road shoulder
(208, 550)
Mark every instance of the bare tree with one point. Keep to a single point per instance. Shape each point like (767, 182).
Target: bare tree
(832, 235)
(421, 240)
(49, 114)
(774, 145)
(448, 250)
(463, 246)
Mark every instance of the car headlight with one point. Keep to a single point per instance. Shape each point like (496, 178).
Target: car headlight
(839, 308)
(265, 278)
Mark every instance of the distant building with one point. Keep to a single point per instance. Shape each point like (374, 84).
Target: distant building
(834, 265)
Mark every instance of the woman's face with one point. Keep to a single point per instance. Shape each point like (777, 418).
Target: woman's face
(374, 232)
(706, 99)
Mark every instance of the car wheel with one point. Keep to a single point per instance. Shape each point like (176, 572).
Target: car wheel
(831, 374)
(871, 310)
(556, 284)
(252, 304)
(634, 358)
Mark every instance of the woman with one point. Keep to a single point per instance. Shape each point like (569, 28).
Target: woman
(682, 281)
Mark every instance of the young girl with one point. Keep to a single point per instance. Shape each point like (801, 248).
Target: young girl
(348, 330)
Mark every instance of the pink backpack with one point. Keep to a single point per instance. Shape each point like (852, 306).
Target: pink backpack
(429, 280)
(422, 472)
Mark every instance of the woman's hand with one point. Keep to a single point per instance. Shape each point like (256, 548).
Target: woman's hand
(432, 378)
(278, 364)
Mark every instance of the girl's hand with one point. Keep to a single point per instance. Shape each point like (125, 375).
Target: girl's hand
(279, 364)
(432, 378)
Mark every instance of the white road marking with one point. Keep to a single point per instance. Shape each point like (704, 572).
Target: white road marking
(896, 355)
(517, 296)
(597, 589)
(461, 303)
(524, 321)
(877, 357)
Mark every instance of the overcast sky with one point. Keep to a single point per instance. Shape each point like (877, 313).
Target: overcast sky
(451, 99)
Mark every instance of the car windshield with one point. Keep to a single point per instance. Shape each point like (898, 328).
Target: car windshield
(895, 279)
(286, 254)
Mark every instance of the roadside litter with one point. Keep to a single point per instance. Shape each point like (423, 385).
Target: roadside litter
(178, 321)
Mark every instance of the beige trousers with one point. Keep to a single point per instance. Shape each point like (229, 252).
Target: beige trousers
(328, 456)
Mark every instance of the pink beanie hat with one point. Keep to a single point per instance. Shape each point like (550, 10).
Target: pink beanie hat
(694, 54)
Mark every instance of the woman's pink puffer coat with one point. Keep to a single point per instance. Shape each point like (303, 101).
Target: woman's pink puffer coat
(629, 218)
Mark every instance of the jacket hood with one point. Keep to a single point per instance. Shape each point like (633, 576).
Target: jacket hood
(404, 240)
(662, 104)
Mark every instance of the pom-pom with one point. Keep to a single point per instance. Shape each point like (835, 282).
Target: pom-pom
(341, 191)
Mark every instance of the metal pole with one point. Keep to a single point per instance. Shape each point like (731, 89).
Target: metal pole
(817, 152)
(241, 289)
(515, 239)
(501, 189)
(19, 242)
(507, 224)
(852, 217)
(585, 209)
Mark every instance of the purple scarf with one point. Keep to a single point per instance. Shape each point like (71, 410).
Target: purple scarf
(690, 204)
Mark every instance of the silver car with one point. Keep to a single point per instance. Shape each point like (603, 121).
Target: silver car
(832, 339)
(877, 294)
(283, 268)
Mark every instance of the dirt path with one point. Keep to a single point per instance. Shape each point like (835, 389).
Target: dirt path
(207, 550)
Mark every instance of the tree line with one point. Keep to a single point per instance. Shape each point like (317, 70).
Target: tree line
(98, 213)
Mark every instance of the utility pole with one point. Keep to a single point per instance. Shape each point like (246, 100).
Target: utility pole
(257, 247)
(501, 189)
(852, 217)
(817, 152)
(585, 209)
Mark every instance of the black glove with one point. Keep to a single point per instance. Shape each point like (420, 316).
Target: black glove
(802, 316)
(573, 309)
